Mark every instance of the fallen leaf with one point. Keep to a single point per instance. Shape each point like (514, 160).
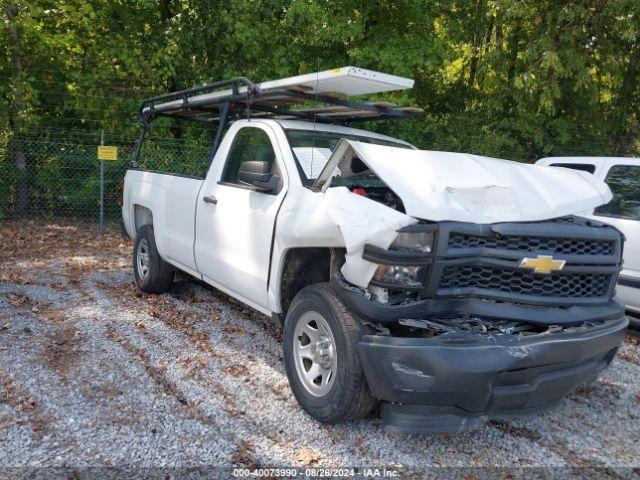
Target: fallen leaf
(307, 457)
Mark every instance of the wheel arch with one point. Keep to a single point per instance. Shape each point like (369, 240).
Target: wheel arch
(304, 266)
(141, 216)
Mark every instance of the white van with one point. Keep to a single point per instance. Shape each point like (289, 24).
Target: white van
(623, 212)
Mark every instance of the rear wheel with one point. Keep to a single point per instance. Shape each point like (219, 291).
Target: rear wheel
(321, 357)
(152, 273)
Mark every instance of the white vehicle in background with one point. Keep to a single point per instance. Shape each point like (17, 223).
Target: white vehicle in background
(623, 212)
(448, 287)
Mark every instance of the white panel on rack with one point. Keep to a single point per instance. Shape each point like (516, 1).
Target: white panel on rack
(346, 81)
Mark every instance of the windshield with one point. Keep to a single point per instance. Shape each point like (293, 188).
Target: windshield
(312, 149)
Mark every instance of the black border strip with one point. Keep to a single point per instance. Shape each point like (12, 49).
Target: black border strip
(628, 281)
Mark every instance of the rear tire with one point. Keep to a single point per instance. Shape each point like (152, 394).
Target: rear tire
(152, 273)
(322, 363)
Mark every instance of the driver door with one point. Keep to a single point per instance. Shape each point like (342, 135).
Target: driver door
(235, 222)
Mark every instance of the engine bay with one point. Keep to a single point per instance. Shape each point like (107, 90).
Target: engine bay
(362, 181)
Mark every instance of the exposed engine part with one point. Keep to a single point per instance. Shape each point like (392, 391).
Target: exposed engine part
(365, 183)
(452, 328)
(472, 325)
(379, 329)
(379, 194)
(380, 294)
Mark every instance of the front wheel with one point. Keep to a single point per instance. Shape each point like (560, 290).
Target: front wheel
(153, 274)
(321, 357)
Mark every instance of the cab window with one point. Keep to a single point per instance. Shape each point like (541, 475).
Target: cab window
(624, 181)
(250, 144)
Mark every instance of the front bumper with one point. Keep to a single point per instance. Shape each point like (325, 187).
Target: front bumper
(452, 383)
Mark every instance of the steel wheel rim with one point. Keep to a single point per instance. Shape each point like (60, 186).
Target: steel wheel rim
(142, 257)
(315, 356)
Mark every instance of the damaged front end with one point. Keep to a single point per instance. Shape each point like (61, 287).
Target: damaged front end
(481, 293)
(463, 327)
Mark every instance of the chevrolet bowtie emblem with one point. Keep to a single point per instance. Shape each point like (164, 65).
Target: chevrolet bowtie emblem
(542, 264)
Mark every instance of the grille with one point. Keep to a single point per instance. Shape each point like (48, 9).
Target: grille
(533, 244)
(577, 285)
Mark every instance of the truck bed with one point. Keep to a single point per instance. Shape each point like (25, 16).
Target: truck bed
(171, 201)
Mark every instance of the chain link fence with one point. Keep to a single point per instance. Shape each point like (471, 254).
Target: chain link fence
(49, 173)
(57, 174)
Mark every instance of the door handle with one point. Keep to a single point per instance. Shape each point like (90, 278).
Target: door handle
(210, 199)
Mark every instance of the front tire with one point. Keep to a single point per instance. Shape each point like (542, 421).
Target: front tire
(321, 357)
(152, 273)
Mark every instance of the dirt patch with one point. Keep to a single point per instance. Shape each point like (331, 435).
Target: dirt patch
(61, 348)
(245, 456)
(159, 375)
(608, 392)
(629, 355)
(632, 340)
(23, 302)
(25, 407)
(571, 457)
(60, 239)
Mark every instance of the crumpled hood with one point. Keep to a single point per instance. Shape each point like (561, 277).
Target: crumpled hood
(470, 188)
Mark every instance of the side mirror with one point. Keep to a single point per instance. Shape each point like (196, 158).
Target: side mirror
(258, 175)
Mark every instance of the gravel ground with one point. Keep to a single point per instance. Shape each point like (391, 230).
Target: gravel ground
(95, 373)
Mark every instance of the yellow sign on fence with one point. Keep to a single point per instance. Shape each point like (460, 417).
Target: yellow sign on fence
(107, 153)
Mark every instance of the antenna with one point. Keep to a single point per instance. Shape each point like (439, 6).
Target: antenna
(315, 113)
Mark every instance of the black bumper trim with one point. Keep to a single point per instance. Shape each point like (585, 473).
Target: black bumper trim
(628, 281)
(385, 313)
(422, 419)
(375, 254)
(447, 384)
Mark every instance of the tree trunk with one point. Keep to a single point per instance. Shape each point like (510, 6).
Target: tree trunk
(512, 56)
(166, 14)
(626, 102)
(476, 43)
(15, 119)
(486, 46)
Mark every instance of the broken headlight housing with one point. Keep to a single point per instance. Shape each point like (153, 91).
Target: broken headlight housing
(416, 241)
(406, 275)
(400, 275)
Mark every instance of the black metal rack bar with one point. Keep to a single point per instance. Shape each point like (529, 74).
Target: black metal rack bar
(185, 105)
(254, 99)
(196, 91)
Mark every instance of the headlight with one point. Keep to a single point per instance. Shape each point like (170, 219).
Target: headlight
(419, 242)
(406, 276)
(399, 275)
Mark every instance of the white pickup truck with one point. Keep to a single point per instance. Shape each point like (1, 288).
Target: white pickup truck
(450, 288)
